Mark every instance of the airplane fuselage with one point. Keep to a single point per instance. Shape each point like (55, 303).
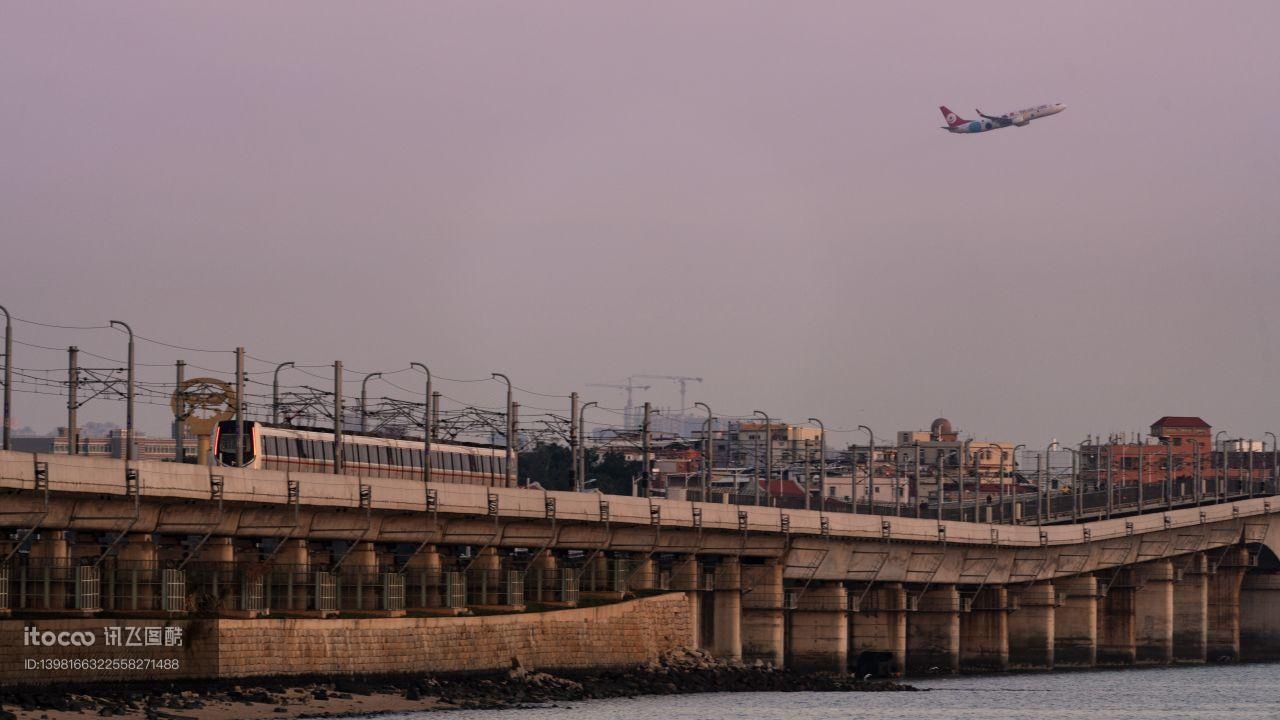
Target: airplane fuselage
(1017, 118)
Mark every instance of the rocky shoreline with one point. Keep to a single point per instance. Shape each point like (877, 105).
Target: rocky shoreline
(676, 672)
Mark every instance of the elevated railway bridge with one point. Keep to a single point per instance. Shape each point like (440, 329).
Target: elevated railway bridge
(1194, 580)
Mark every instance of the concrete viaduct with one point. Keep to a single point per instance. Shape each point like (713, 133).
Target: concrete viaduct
(88, 537)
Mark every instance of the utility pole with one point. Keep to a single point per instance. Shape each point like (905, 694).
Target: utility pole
(822, 462)
(426, 424)
(179, 450)
(582, 434)
(435, 416)
(338, 464)
(128, 429)
(871, 478)
(710, 457)
(510, 430)
(515, 437)
(768, 452)
(808, 473)
(364, 400)
(1142, 453)
(73, 402)
(8, 378)
(240, 407)
(275, 392)
(646, 475)
(573, 441)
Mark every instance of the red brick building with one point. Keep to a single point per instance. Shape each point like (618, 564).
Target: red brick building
(1181, 451)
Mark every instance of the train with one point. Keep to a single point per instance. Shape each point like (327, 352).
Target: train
(281, 447)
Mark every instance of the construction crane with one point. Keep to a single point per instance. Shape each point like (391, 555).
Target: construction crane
(629, 386)
(677, 378)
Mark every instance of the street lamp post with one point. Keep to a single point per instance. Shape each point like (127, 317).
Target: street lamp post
(710, 456)
(510, 431)
(1273, 460)
(364, 400)
(1221, 476)
(426, 425)
(8, 377)
(1013, 464)
(871, 477)
(128, 428)
(822, 463)
(275, 392)
(768, 452)
(582, 451)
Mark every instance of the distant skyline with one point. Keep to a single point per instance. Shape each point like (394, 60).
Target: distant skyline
(571, 192)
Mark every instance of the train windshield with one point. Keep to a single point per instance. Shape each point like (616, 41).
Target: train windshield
(227, 443)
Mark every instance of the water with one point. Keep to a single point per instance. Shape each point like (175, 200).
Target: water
(1239, 692)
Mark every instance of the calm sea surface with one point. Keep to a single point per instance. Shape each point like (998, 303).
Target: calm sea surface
(1241, 691)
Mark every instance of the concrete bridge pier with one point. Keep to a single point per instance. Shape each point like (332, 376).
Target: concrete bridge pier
(820, 629)
(933, 632)
(293, 563)
(1075, 622)
(218, 555)
(763, 619)
(984, 632)
(485, 581)
(1223, 634)
(1191, 609)
(1116, 638)
(136, 574)
(643, 575)
(727, 599)
(50, 558)
(1260, 617)
(423, 571)
(686, 575)
(1153, 612)
(360, 581)
(880, 624)
(538, 579)
(1032, 628)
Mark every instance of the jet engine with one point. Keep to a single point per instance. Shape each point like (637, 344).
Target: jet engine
(1019, 119)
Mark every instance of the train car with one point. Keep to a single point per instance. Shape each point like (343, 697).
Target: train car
(278, 447)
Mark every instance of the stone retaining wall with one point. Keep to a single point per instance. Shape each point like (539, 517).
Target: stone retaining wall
(607, 636)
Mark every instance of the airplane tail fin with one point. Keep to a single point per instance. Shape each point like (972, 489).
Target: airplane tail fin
(952, 118)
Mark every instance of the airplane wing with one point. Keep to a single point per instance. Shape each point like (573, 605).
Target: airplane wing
(1002, 121)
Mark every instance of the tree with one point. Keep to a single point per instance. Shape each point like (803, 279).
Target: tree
(547, 464)
(613, 473)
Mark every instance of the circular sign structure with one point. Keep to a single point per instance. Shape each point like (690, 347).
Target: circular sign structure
(202, 403)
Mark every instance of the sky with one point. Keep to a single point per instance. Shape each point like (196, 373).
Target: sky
(754, 193)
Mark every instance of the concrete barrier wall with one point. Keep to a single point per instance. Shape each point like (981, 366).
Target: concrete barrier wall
(607, 636)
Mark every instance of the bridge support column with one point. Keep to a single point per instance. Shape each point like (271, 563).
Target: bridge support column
(727, 638)
(1190, 609)
(360, 578)
(1153, 612)
(137, 573)
(1223, 642)
(218, 556)
(984, 632)
(1260, 617)
(485, 583)
(820, 629)
(933, 632)
(763, 620)
(686, 576)
(422, 574)
(538, 579)
(1032, 631)
(50, 558)
(293, 562)
(1075, 622)
(643, 575)
(1116, 639)
(880, 626)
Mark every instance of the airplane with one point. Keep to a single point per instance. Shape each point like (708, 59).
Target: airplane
(1018, 118)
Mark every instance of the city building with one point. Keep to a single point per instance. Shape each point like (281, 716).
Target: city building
(112, 445)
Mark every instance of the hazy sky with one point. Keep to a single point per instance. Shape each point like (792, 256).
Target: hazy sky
(755, 193)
